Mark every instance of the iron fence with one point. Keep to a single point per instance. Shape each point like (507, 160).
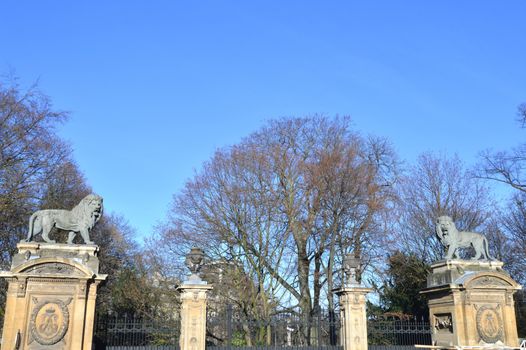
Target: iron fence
(132, 332)
(230, 327)
(142, 347)
(271, 347)
(233, 330)
(396, 332)
(520, 311)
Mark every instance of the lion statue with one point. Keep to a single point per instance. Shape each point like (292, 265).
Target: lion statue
(80, 219)
(452, 239)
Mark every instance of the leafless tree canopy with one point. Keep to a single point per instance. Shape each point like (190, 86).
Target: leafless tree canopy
(30, 152)
(521, 114)
(37, 171)
(282, 206)
(275, 213)
(512, 233)
(436, 186)
(506, 166)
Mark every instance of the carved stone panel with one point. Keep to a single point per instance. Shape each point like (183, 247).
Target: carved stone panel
(443, 323)
(49, 321)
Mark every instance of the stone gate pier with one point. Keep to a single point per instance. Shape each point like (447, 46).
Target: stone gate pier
(470, 301)
(471, 304)
(193, 304)
(51, 297)
(352, 296)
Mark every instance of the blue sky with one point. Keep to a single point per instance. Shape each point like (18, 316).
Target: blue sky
(154, 87)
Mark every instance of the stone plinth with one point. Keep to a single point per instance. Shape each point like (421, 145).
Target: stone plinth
(193, 316)
(51, 297)
(471, 304)
(353, 317)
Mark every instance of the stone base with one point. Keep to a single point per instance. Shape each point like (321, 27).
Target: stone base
(51, 297)
(471, 304)
(193, 316)
(353, 332)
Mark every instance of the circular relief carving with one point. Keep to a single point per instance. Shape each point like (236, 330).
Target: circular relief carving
(49, 322)
(489, 325)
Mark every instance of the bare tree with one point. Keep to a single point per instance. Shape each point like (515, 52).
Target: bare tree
(30, 152)
(512, 232)
(37, 171)
(506, 166)
(521, 114)
(437, 186)
(284, 204)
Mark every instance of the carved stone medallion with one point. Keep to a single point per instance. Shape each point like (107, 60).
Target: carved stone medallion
(489, 324)
(49, 321)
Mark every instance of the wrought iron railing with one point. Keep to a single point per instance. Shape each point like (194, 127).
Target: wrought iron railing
(398, 332)
(231, 329)
(133, 331)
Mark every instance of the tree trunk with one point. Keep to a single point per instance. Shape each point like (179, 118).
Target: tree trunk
(305, 302)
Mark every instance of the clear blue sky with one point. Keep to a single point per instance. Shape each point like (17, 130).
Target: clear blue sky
(154, 87)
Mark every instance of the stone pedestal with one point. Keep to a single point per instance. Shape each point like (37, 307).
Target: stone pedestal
(51, 297)
(193, 316)
(471, 304)
(353, 332)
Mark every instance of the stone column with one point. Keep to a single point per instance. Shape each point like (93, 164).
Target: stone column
(51, 297)
(193, 316)
(471, 304)
(353, 333)
(193, 304)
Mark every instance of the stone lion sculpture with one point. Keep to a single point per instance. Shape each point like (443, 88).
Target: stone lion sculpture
(452, 239)
(80, 219)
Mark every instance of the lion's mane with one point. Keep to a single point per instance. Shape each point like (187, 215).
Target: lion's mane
(85, 213)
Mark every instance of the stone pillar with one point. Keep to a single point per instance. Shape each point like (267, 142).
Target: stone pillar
(193, 304)
(353, 333)
(471, 304)
(51, 297)
(193, 316)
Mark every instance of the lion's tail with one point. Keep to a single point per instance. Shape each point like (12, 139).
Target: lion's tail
(32, 219)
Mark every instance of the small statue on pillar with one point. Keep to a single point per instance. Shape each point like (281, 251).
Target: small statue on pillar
(351, 267)
(194, 262)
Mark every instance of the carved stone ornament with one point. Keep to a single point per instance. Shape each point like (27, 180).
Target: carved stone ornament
(489, 281)
(49, 321)
(351, 265)
(489, 325)
(194, 262)
(443, 323)
(53, 268)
